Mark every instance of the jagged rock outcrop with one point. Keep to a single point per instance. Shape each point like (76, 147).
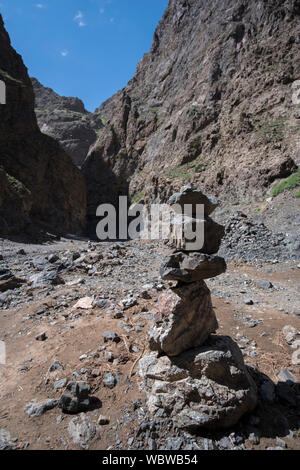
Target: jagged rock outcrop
(210, 103)
(39, 182)
(67, 120)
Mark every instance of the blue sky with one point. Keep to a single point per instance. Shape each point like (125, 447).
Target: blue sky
(84, 48)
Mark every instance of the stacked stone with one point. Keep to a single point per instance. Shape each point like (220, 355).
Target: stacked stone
(197, 378)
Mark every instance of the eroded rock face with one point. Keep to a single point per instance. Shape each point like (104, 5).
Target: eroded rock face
(67, 120)
(210, 103)
(208, 387)
(191, 267)
(39, 182)
(184, 319)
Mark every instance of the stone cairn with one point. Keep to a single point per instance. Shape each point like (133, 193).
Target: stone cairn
(192, 375)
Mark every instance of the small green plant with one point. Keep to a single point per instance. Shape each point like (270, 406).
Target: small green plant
(257, 209)
(200, 167)
(16, 184)
(49, 134)
(9, 77)
(269, 131)
(287, 185)
(186, 170)
(236, 203)
(137, 197)
(297, 194)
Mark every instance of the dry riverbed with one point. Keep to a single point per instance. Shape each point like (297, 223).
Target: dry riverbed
(59, 298)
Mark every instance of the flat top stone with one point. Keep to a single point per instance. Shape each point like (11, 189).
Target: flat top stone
(189, 194)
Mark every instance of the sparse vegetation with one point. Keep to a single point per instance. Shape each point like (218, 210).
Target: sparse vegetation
(9, 77)
(269, 131)
(186, 171)
(50, 135)
(16, 184)
(103, 120)
(137, 197)
(287, 185)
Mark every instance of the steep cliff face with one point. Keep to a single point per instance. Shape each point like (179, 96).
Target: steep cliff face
(211, 103)
(38, 181)
(67, 120)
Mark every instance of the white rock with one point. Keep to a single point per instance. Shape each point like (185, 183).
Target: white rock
(84, 303)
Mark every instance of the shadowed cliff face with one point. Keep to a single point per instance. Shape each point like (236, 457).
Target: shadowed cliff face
(211, 103)
(67, 120)
(38, 181)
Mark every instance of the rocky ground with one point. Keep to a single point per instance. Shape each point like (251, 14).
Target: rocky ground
(72, 310)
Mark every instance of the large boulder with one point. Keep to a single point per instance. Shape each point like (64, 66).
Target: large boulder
(207, 234)
(208, 387)
(184, 319)
(189, 194)
(75, 399)
(191, 267)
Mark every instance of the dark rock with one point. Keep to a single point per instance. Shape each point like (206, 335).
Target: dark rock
(8, 281)
(38, 181)
(191, 267)
(60, 383)
(75, 398)
(267, 391)
(53, 258)
(46, 278)
(56, 366)
(101, 304)
(189, 194)
(41, 337)
(286, 393)
(109, 380)
(103, 420)
(34, 409)
(111, 336)
(248, 301)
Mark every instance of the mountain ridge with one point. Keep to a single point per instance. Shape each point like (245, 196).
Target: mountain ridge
(39, 183)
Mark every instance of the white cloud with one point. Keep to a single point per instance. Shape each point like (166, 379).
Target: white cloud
(40, 5)
(79, 16)
(79, 19)
(101, 11)
(64, 53)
